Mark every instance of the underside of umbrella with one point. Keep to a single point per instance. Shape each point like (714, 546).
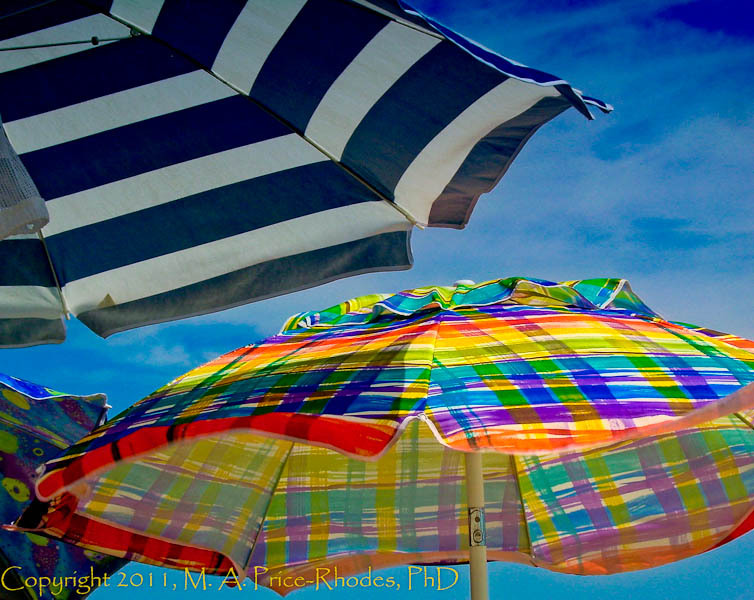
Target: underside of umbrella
(37, 424)
(610, 439)
(273, 509)
(193, 160)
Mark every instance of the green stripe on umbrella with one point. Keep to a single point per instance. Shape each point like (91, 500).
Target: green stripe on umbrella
(602, 438)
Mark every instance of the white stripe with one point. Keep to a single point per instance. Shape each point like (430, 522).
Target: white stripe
(29, 302)
(81, 29)
(142, 14)
(398, 19)
(199, 263)
(115, 110)
(392, 52)
(434, 167)
(178, 181)
(249, 42)
(614, 295)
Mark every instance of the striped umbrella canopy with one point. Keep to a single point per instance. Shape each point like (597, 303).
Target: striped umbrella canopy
(36, 424)
(605, 438)
(193, 156)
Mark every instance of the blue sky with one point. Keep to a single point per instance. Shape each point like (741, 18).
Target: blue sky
(660, 192)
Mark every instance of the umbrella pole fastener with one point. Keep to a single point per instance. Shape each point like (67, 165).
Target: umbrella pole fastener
(477, 534)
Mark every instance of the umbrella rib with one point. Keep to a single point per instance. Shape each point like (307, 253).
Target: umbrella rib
(20, 11)
(54, 276)
(283, 464)
(269, 111)
(514, 470)
(94, 41)
(744, 420)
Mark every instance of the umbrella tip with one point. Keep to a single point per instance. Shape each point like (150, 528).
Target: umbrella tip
(464, 282)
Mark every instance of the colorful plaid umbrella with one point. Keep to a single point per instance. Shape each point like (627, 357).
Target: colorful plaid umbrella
(36, 424)
(193, 156)
(598, 438)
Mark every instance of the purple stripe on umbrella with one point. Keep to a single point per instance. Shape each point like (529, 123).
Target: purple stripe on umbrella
(592, 500)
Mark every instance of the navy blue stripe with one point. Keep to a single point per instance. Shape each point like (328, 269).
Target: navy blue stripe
(103, 5)
(12, 7)
(319, 44)
(488, 161)
(203, 218)
(19, 333)
(394, 8)
(197, 27)
(603, 106)
(148, 145)
(575, 99)
(101, 70)
(24, 262)
(382, 252)
(499, 62)
(48, 15)
(439, 86)
(504, 65)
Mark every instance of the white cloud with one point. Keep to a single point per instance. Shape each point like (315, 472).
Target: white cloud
(160, 356)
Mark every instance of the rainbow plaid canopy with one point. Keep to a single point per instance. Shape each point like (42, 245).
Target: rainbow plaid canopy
(614, 440)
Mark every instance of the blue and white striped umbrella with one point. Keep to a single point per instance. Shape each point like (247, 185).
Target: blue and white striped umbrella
(196, 155)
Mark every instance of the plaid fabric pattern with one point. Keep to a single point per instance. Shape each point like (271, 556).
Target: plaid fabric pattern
(642, 503)
(409, 506)
(636, 505)
(515, 365)
(543, 374)
(175, 493)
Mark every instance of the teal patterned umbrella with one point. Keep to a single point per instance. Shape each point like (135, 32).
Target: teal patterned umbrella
(36, 424)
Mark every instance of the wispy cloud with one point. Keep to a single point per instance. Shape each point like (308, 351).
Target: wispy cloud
(659, 192)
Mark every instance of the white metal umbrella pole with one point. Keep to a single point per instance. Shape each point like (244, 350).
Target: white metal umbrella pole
(477, 534)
